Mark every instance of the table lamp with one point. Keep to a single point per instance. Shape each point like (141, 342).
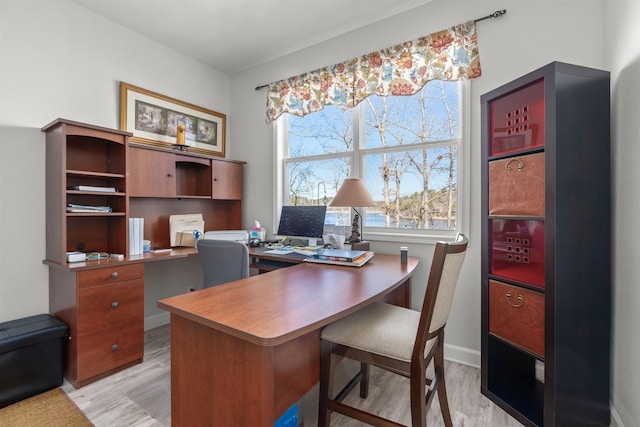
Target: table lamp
(353, 193)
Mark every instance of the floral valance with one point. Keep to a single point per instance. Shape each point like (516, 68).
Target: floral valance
(450, 54)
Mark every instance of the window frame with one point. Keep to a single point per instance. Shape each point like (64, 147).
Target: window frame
(382, 234)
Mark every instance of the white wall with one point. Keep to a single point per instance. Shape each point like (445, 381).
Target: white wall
(623, 55)
(527, 37)
(61, 60)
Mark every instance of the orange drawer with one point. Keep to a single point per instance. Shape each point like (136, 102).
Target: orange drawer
(101, 351)
(110, 274)
(516, 186)
(516, 315)
(102, 307)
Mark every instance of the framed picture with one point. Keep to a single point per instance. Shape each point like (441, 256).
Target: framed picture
(154, 119)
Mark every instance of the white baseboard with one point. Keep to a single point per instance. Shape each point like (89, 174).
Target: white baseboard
(462, 355)
(615, 417)
(156, 320)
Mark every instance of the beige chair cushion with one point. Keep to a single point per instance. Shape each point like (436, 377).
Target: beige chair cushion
(379, 328)
(448, 281)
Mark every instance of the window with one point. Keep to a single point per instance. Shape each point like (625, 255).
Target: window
(409, 151)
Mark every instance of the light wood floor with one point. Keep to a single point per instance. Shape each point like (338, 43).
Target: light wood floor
(141, 396)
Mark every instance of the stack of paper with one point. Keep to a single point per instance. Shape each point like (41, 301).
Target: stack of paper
(136, 235)
(88, 209)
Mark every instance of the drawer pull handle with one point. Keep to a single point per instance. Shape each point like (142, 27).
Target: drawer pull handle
(520, 300)
(114, 305)
(520, 165)
(114, 275)
(114, 347)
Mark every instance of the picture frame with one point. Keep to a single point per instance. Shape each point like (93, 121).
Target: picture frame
(153, 119)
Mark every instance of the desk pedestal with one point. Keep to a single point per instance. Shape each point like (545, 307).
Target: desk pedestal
(220, 380)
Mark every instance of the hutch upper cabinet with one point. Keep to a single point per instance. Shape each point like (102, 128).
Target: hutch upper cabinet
(546, 268)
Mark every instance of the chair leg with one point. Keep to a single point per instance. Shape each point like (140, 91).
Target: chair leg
(364, 380)
(438, 366)
(417, 386)
(326, 383)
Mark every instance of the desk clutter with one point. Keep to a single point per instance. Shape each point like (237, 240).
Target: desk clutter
(349, 258)
(320, 255)
(183, 227)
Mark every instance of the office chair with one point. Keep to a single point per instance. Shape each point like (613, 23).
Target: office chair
(223, 261)
(397, 339)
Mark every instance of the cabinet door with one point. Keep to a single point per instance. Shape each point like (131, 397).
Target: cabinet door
(151, 173)
(227, 180)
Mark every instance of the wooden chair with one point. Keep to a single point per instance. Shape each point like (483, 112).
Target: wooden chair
(223, 261)
(397, 339)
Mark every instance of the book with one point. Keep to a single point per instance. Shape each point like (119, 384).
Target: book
(136, 231)
(338, 255)
(93, 188)
(357, 262)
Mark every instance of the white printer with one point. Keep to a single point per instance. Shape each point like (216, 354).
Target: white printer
(235, 235)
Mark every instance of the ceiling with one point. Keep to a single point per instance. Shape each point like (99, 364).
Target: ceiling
(235, 35)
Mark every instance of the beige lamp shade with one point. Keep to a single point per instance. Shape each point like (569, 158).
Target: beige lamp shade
(353, 193)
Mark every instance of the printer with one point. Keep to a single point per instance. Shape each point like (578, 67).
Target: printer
(235, 235)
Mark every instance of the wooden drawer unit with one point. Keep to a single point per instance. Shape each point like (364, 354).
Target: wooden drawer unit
(516, 315)
(104, 308)
(517, 186)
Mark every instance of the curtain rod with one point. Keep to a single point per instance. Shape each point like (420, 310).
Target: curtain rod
(496, 14)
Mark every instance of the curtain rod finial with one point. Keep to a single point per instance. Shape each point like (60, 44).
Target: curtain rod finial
(498, 13)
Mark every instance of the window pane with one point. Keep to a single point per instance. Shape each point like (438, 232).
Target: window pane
(413, 189)
(326, 131)
(316, 182)
(429, 115)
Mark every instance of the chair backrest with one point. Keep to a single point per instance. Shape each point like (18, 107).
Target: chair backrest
(443, 276)
(223, 261)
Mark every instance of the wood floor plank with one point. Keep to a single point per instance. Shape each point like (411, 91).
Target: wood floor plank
(141, 395)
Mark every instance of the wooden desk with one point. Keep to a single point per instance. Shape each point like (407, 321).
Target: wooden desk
(242, 353)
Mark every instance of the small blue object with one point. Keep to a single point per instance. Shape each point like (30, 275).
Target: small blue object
(196, 234)
(289, 418)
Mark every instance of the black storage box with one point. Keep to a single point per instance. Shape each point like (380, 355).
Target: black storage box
(31, 356)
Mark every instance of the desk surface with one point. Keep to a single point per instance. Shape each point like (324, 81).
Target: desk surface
(172, 253)
(270, 309)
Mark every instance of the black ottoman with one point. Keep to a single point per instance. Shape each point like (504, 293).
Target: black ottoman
(31, 356)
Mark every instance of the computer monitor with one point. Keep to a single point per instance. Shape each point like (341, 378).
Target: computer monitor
(302, 221)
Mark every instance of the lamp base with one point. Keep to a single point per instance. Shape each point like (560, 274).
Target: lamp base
(359, 246)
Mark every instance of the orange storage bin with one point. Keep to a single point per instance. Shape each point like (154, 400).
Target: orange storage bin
(516, 315)
(516, 186)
